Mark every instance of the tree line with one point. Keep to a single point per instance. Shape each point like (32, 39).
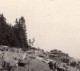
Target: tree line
(14, 36)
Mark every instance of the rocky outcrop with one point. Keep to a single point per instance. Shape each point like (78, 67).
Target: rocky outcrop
(13, 59)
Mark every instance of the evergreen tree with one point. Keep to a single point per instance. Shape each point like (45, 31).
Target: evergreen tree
(20, 31)
(14, 36)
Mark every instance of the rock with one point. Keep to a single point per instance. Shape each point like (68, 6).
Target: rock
(34, 65)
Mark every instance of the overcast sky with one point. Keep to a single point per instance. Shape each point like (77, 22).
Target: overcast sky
(55, 24)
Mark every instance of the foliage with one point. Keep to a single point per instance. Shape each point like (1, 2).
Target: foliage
(14, 36)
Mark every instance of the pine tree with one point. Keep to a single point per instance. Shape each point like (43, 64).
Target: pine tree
(20, 31)
(14, 36)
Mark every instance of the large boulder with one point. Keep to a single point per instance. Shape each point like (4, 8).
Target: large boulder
(34, 65)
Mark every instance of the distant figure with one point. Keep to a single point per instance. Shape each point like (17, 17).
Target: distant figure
(51, 65)
(55, 65)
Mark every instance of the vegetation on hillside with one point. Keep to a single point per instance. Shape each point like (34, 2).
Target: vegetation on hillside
(14, 36)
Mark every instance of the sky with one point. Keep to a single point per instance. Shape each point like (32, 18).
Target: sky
(55, 24)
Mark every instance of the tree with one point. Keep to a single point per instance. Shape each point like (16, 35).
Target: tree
(20, 31)
(14, 36)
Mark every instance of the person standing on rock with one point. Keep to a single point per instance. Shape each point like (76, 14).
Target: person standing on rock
(51, 65)
(55, 66)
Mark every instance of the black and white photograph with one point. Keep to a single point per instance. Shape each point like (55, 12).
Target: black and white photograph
(39, 35)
